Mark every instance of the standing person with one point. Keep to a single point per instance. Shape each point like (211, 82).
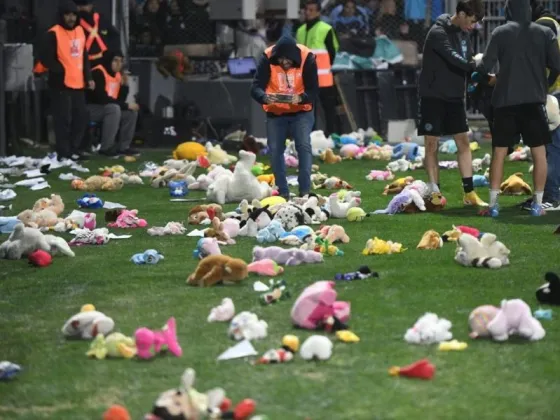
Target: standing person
(520, 95)
(107, 105)
(65, 56)
(447, 63)
(290, 70)
(320, 38)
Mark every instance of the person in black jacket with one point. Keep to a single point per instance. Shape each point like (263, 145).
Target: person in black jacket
(107, 105)
(446, 63)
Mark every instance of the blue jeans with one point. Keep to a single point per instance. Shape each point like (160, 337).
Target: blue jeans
(552, 186)
(299, 126)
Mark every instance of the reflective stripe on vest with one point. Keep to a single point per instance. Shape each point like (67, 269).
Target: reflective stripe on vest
(93, 35)
(315, 40)
(286, 82)
(323, 60)
(70, 50)
(555, 88)
(112, 83)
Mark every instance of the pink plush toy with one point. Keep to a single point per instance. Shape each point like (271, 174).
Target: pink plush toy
(376, 175)
(287, 256)
(90, 221)
(128, 219)
(206, 247)
(266, 267)
(146, 339)
(515, 317)
(231, 227)
(317, 307)
(291, 161)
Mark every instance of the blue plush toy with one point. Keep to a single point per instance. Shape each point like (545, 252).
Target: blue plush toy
(8, 223)
(271, 233)
(299, 232)
(150, 256)
(8, 370)
(480, 181)
(407, 150)
(448, 146)
(90, 201)
(178, 188)
(543, 314)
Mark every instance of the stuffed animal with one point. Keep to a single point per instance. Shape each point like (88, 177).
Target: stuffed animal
(401, 165)
(514, 317)
(549, 293)
(320, 143)
(356, 214)
(247, 326)
(521, 153)
(223, 312)
(515, 185)
(217, 231)
(150, 256)
(174, 63)
(59, 245)
(291, 215)
(316, 347)
(189, 150)
(150, 342)
(271, 233)
(290, 345)
(98, 183)
(126, 219)
(434, 203)
(22, 242)
(430, 240)
(41, 219)
(401, 201)
(362, 273)
(130, 178)
(218, 268)
(339, 209)
(99, 236)
(479, 319)
(376, 175)
(290, 256)
(40, 258)
(378, 246)
(205, 180)
(206, 247)
(87, 324)
(177, 188)
(268, 178)
(479, 162)
(244, 185)
(333, 183)
(486, 252)
(333, 234)
(54, 203)
(405, 150)
(449, 147)
(218, 156)
(171, 228)
(480, 181)
(351, 151)
(115, 345)
(317, 307)
(429, 329)
(200, 213)
(398, 185)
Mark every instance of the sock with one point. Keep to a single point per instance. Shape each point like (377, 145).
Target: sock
(468, 185)
(538, 197)
(494, 197)
(433, 187)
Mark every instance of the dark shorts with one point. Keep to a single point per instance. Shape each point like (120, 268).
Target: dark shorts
(437, 117)
(528, 120)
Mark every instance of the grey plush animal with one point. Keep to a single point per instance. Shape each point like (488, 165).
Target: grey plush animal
(290, 256)
(22, 242)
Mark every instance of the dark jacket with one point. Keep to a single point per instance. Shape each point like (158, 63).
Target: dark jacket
(446, 62)
(99, 96)
(538, 12)
(523, 50)
(108, 33)
(49, 55)
(286, 47)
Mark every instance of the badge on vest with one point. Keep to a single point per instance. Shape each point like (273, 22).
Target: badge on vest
(286, 82)
(113, 89)
(74, 48)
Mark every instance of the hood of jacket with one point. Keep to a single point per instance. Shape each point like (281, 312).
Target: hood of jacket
(519, 11)
(65, 7)
(107, 60)
(286, 47)
(445, 22)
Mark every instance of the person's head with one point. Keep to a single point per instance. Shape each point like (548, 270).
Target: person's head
(312, 10)
(174, 8)
(146, 37)
(285, 63)
(349, 8)
(68, 13)
(152, 6)
(467, 13)
(372, 5)
(388, 7)
(117, 63)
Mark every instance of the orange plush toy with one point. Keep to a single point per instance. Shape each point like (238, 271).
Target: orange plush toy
(116, 412)
(218, 268)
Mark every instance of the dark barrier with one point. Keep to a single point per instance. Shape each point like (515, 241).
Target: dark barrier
(3, 145)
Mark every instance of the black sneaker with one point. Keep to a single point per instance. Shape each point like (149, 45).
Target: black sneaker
(130, 152)
(546, 205)
(109, 154)
(526, 205)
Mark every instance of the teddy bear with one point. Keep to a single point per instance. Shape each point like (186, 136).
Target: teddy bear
(486, 252)
(429, 329)
(87, 324)
(203, 181)
(217, 231)
(332, 234)
(339, 209)
(398, 185)
(22, 242)
(400, 165)
(515, 185)
(174, 63)
(243, 184)
(515, 317)
(217, 156)
(401, 201)
(495, 248)
(290, 256)
(98, 183)
(218, 268)
(54, 203)
(40, 219)
(247, 326)
(200, 213)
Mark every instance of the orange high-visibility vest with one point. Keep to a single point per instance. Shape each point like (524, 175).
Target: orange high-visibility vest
(93, 35)
(70, 50)
(112, 83)
(287, 82)
(39, 68)
(323, 60)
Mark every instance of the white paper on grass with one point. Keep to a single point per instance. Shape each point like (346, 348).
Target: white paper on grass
(33, 173)
(40, 186)
(113, 236)
(110, 205)
(292, 181)
(17, 161)
(68, 176)
(197, 232)
(241, 349)
(6, 195)
(259, 286)
(30, 182)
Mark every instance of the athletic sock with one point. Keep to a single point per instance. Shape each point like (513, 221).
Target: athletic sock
(538, 197)
(494, 197)
(468, 185)
(433, 187)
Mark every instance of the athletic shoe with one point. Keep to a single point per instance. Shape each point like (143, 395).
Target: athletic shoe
(546, 205)
(109, 154)
(526, 205)
(537, 210)
(78, 157)
(490, 211)
(472, 199)
(130, 152)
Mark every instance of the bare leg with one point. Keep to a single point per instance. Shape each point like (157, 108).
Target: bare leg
(496, 173)
(431, 162)
(540, 170)
(464, 155)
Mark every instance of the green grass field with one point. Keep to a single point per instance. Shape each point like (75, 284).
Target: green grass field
(512, 380)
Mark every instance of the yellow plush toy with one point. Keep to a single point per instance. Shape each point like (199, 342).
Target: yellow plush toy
(430, 240)
(268, 178)
(515, 185)
(189, 150)
(378, 246)
(328, 156)
(218, 156)
(397, 185)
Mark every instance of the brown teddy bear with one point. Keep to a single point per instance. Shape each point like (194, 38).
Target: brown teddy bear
(39, 219)
(53, 203)
(217, 231)
(218, 268)
(98, 183)
(434, 204)
(174, 63)
(204, 211)
(515, 185)
(328, 156)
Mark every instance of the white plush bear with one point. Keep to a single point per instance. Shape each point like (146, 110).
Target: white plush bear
(244, 185)
(246, 325)
(205, 180)
(87, 324)
(339, 209)
(471, 252)
(316, 347)
(429, 329)
(22, 242)
(514, 317)
(478, 162)
(400, 165)
(495, 248)
(320, 143)
(59, 245)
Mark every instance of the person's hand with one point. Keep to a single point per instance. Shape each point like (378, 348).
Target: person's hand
(269, 99)
(134, 107)
(124, 78)
(296, 99)
(492, 80)
(91, 85)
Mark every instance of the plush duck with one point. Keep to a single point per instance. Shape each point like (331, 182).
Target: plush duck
(430, 240)
(515, 185)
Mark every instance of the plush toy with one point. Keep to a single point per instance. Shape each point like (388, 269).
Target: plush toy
(82, 237)
(115, 345)
(317, 307)
(130, 178)
(218, 268)
(268, 178)
(117, 412)
(54, 203)
(216, 230)
(203, 181)
(40, 258)
(339, 209)
(112, 170)
(150, 342)
(8, 370)
(127, 219)
(405, 150)
(291, 256)
(514, 185)
(364, 272)
(174, 63)
(449, 147)
(189, 150)
(206, 247)
(480, 181)
(171, 228)
(333, 183)
(549, 293)
(324, 247)
(448, 164)
(435, 202)
(22, 242)
(479, 162)
(218, 156)
(270, 233)
(356, 214)
(514, 318)
(429, 329)
(479, 319)
(486, 252)
(376, 175)
(98, 183)
(401, 201)
(290, 345)
(316, 347)
(347, 336)
(42, 219)
(150, 256)
(454, 234)
(422, 369)
(430, 240)
(521, 153)
(247, 326)
(223, 312)
(200, 213)
(276, 290)
(87, 324)
(265, 267)
(90, 201)
(319, 142)
(178, 188)
(401, 165)
(328, 156)
(333, 234)
(398, 185)
(378, 246)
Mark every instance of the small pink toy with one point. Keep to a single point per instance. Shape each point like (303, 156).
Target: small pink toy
(90, 221)
(146, 339)
(376, 175)
(317, 307)
(266, 267)
(291, 161)
(128, 219)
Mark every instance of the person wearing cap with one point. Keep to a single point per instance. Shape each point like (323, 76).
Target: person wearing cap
(107, 105)
(69, 75)
(286, 84)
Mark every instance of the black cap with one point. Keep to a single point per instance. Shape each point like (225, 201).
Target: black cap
(83, 2)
